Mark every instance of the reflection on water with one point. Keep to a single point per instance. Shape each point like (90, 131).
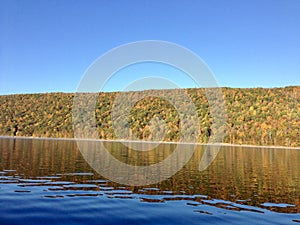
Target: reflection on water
(240, 179)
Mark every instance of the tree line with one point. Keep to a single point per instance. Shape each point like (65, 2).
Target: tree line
(259, 116)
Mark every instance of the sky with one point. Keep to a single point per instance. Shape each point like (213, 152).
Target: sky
(47, 46)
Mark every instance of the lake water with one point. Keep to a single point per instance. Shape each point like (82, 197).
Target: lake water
(50, 182)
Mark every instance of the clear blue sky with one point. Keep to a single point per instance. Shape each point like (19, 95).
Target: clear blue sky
(46, 46)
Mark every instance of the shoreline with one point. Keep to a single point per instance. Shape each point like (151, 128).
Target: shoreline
(153, 142)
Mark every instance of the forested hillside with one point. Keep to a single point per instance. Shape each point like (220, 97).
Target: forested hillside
(257, 116)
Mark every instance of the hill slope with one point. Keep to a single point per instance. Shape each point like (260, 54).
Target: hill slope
(257, 116)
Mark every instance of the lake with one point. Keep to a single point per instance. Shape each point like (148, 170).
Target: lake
(50, 182)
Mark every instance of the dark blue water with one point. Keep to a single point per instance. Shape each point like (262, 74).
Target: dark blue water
(49, 182)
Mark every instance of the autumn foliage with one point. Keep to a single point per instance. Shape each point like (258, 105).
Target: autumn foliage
(259, 116)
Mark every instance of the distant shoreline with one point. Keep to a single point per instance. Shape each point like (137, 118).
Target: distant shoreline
(258, 117)
(152, 142)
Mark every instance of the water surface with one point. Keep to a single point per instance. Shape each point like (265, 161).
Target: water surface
(49, 182)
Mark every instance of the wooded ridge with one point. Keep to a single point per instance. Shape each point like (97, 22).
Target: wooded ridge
(258, 116)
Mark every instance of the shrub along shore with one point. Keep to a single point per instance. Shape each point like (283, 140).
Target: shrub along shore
(254, 116)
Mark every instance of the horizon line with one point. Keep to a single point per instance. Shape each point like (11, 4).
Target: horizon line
(113, 91)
